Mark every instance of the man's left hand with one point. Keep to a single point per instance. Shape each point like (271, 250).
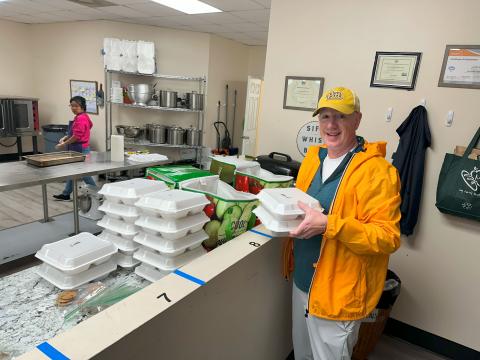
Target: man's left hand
(59, 146)
(315, 223)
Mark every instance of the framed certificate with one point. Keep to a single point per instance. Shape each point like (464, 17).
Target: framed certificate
(302, 93)
(87, 89)
(461, 67)
(395, 70)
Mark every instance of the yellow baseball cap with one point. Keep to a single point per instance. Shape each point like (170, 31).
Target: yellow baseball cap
(341, 99)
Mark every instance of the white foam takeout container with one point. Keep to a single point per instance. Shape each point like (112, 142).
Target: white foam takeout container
(173, 204)
(150, 273)
(126, 246)
(120, 211)
(65, 281)
(125, 261)
(128, 192)
(118, 227)
(283, 202)
(77, 253)
(277, 227)
(167, 263)
(171, 247)
(172, 229)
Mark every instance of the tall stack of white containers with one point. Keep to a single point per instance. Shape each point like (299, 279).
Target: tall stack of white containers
(279, 210)
(171, 231)
(121, 214)
(77, 260)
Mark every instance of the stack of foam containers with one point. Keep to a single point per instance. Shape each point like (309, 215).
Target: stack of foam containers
(77, 260)
(279, 210)
(171, 232)
(121, 214)
(146, 57)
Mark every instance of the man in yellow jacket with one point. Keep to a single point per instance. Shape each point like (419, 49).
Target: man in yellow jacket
(341, 255)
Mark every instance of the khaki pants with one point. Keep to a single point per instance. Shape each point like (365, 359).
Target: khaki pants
(315, 338)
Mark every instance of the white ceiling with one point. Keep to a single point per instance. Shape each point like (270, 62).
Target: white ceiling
(245, 21)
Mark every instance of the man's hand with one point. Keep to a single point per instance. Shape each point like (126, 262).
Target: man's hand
(60, 146)
(315, 223)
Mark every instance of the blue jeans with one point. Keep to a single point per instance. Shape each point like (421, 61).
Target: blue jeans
(87, 179)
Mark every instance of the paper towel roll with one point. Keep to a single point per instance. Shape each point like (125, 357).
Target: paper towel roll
(117, 152)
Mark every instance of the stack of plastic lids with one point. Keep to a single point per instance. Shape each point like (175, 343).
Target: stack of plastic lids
(171, 232)
(279, 210)
(121, 214)
(77, 260)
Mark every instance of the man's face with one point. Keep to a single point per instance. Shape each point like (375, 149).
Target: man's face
(338, 130)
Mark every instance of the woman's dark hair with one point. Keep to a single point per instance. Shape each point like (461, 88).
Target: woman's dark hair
(80, 100)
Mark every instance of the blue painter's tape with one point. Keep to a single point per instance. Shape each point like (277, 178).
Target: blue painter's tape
(51, 352)
(261, 233)
(189, 277)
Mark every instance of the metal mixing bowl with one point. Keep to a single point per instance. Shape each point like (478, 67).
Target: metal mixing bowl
(132, 131)
(120, 129)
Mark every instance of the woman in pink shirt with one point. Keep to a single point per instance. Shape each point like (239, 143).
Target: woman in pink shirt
(78, 139)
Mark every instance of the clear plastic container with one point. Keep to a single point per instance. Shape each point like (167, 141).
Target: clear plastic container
(171, 247)
(66, 281)
(118, 227)
(167, 263)
(128, 192)
(120, 211)
(126, 246)
(125, 261)
(173, 204)
(276, 226)
(150, 273)
(76, 254)
(172, 229)
(282, 202)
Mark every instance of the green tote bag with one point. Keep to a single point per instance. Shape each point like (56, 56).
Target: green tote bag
(458, 190)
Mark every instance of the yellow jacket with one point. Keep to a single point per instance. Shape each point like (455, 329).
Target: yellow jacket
(362, 230)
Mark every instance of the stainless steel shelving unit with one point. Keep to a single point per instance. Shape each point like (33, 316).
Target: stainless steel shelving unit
(201, 88)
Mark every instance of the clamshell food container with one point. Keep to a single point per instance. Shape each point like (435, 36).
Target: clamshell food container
(172, 229)
(76, 254)
(173, 204)
(171, 247)
(277, 227)
(66, 281)
(167, 263)
(129, 192)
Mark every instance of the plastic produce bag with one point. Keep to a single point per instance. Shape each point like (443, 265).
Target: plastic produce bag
(230, 211)
(92, 302)
(254, 179)
(173, 175)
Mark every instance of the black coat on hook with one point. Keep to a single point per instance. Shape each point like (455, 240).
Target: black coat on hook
(409, 159)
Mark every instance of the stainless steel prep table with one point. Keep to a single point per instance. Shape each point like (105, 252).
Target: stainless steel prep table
(16, 175)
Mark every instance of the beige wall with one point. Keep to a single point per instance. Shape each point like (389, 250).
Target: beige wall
(15, 69)
(47, 56)
(72, 51)
(256, 61)
(439, 264)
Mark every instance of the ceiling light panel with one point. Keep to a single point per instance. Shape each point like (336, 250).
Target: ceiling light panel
(190, 7)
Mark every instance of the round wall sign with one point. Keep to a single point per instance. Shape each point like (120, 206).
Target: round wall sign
(309, 134)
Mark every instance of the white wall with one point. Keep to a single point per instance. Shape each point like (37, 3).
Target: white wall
(439, 263)
(256, 61)
(15, 69)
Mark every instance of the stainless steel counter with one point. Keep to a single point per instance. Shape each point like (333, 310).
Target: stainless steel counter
(19, 174)
(16, 175)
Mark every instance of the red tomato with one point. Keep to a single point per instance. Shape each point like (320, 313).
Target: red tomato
(241, 183)
(150, 177)
(209, 210)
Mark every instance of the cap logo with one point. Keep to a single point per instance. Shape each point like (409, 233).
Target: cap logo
(335, 95)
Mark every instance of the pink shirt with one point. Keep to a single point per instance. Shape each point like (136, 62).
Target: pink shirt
(81, 129)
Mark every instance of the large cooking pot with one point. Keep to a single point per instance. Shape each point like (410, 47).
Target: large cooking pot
(168, 98)
(175, 135)
(158, 134)
(194, 100)
(140, 93)
(193, 136)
